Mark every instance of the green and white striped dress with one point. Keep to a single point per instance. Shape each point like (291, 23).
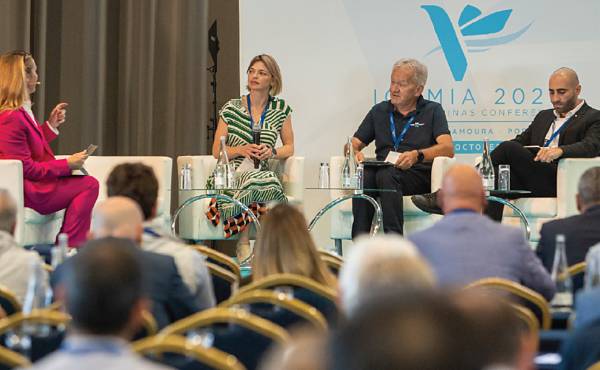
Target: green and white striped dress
(255, 186)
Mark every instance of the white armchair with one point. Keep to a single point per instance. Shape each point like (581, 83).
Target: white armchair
(12, 181)
(34, 228)
(541, 210)
(194, 225)
(414, 218)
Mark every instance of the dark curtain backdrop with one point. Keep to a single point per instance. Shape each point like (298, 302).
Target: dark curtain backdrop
(133, 71)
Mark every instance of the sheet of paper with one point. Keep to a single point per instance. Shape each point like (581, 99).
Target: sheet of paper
(246, 165)
(392, 157)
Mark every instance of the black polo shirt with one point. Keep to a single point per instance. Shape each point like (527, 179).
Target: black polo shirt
(429, 123)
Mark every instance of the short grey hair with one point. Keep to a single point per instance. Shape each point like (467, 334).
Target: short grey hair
(380, 264)
(420, 76)
(8, 211)
(589, 186)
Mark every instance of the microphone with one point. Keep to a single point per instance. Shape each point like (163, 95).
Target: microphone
(256, 140)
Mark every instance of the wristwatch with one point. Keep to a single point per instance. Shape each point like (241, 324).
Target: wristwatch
(420, 156)
(273, 152)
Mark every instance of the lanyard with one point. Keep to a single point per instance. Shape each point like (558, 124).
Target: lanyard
(555, 133)
(398, 139)
(87, 348)
(262, 116)
(151, 232)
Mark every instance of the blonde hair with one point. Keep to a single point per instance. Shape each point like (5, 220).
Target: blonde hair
(273, 68)
(284, 245)
(13, 86)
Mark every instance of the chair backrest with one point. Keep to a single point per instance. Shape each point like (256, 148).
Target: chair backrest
(225, 283)
(528, 318)
(595, 366)
(12, 181)
(235, 331)
(279, 303)
(333, 262)
(8, 301)
(520, 291)
(149, 326)
(43, 344)
(10, 359)
(211, 357)
(220, 259)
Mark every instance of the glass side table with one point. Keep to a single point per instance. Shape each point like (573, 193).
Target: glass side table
(354, 194)
(219, 195)
(502, 196)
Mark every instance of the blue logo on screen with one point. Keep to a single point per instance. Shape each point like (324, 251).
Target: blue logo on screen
(471, 26)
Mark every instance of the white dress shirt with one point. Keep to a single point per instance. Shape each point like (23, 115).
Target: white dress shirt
(15, 266)
(95, 352)
(557, 124)
(27, 106)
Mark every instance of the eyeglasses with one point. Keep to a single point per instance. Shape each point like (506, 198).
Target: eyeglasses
(260, 72)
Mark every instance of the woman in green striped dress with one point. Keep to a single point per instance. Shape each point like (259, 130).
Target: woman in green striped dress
(255, 188)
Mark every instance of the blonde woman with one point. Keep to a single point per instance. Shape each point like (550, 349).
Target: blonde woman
(284, 245)
(260, 106)
(47, 181)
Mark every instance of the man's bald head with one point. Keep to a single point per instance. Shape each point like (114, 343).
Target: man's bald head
(568, 74)
(462, 188)
(119, 217)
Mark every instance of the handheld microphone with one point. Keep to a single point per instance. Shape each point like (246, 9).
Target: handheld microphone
(256, 140)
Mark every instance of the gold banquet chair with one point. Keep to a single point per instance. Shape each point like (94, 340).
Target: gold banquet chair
(595, 366)
(10, 359)
(8, 301)
(321, 297)
(527, 317)
(332, 261)
(234, 331)
(176, 344)
(296, 307)
(520, 291)
(225, 283)
(220, 259)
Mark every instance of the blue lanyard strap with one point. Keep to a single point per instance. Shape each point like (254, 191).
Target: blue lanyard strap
(398, 139)
(262, 116)
(555, 133)
(151, 232)
(87, 348)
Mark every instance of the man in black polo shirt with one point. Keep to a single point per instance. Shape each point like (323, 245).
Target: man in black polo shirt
(411, 132)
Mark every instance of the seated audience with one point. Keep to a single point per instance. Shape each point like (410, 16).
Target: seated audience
(15, 262)
(306, 350)
(466, 246)
(138, 182)
(103, 290)
(582, 348)
(381, 263)
(171, 299)
(284, 245)
(580, 231)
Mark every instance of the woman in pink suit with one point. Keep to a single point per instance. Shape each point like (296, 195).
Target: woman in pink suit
(48, 184)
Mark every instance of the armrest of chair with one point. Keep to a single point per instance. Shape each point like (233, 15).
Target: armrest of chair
(291, 173)
(438, 168)
(567, 179)
(12, 181)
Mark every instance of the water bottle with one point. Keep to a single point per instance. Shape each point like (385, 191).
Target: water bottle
(220, 174)
(349, 167)
(360, 173)
(324, 175)
(186, 177)
(560, 275)
(230, 176)
(486, 169)
(58, 254)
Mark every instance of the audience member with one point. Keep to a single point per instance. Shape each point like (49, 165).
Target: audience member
(103, 290)
(138, 182)
(171, 299)
(16, 263)
(582, 348)
(466, 246)
(380, 264)
(306, 350)
(424, 331)
(284, 245)
(580, 231)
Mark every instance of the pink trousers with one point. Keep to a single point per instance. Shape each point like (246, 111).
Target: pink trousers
(77, 195)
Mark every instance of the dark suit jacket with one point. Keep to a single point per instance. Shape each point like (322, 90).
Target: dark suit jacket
(582, 348)
(579, 139)
(581, 232)
(170, 298)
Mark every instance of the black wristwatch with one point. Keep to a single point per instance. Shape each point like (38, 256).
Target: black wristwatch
(273, 152)
(420, 156)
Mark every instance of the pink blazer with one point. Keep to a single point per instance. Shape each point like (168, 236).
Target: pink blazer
(24, 139)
